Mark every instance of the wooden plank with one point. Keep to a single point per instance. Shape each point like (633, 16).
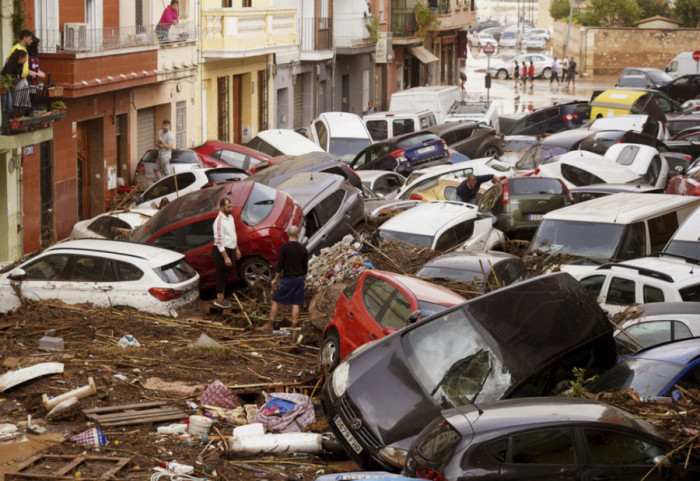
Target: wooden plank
(142, 416)
(126, 406)
(73, 462)
(130, 422)
(68, 467)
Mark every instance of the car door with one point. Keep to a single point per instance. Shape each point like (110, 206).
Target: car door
(130, 285)
(44, 277)
(542, 455)
(92, 279)
(621, 292)
(331, 225)
(618, 456)
(376, 294)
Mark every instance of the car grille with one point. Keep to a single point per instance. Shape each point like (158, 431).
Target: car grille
(365, 435)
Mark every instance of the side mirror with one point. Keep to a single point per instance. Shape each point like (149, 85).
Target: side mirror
(17, 274)
(662, 461)
(415, 316)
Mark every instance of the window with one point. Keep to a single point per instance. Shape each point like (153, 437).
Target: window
(497, 449)
(633, 242)
(451, 193)
(92, 269)
(396, 312)
(387, 184)
(179, 271)
(653, 294)
(619, 449)
(350, 290)
(233, 158)
(555, 446)
(661, 229)
(403, 126)
(691, 294)
(446, 240)
(259, 204)
(691, 380)
(652, 174)
(427, 121)
(534, 185)
(168, 186)
(621, 291)
(650, 334)
(579, 177)
(463, 134)
(188, 236)
(51, 267)
(329, 206)
(490, 198)
(464, 230)
(322, 134)
(107, 226)
(375, 293)
(378, 129)
(128, 272)
(594, 284)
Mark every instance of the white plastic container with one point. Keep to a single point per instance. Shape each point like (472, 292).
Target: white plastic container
(278, 443)
(173, 429)
(252, 429)
(200, 425)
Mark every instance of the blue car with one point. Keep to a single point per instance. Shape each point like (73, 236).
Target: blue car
(656, 371)
(364, 476)
(403, 153)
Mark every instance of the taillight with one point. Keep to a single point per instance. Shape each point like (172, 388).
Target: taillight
(506, 193)
(697, 190)
(429, 473)
(140, 169)
(415, 196)
(398, 153)
(569, 117)
(444, 144)
(165, 294)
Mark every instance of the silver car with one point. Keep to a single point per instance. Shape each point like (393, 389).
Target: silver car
(543, 66)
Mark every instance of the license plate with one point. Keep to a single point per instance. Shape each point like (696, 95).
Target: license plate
(347, 435)
(425, 150)
(535, 216)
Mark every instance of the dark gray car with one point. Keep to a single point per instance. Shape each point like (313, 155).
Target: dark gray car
(470, 138)
(332, 208)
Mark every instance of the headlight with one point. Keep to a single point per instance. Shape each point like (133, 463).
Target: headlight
(339, 381)
(394, 456)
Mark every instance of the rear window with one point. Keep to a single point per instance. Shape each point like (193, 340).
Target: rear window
(416, 140)
(578, 176)
(534, 186)
(406, 238)
(220, 175)
(691, 294)
(259, 204)
(184, 157)
(434, 450)
(537, 154)
(176, 272)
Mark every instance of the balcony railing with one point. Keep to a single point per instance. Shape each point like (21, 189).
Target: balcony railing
(78, 38)
(351, 31)
(238, 31)
(28, 108)
(316, 34)
(403, 23)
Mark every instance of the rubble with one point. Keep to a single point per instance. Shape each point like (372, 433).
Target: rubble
(339, 263)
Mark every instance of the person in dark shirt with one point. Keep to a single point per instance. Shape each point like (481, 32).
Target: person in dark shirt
(292, 266)
(468, 190)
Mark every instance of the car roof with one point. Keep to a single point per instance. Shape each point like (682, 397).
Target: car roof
(605, 168)
(289, 141)
(679, 352)
(615, 188)
(152, 255)
(669, 308)
(690, 229)
(670, 266)
(622, 208)
(460, 124)
(306, 187)
(469, 260)
(423, 290)
(433, 217)
(312, 159)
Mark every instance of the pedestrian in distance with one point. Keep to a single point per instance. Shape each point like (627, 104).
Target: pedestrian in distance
(572, 72)
(564, 69)
(167, 20)
(225, 250)
(371, 107)
(531, 74)
(165, 141)
(555, 72)
(463, 82)
(468, 189)
(292, 267)
(516, 73)
(523, 72)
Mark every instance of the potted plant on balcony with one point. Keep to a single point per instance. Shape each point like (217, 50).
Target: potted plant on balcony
(7, 83)
(56, 91)
(373, 29)
(58, 106)
(427, 20)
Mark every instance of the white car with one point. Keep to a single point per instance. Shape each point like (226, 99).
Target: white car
(643, 160)
(480, 39)
(542, 63)
(482, 111)
(578, 168)
(664, 278)
(383, 183)
(635, 123)
(340, 133)
(105, 273)
(509, 39)
(686, 240)
(282, 142)
(420, 177)
(111, 225)
(535, 42)
(177, 185)
(443, 225)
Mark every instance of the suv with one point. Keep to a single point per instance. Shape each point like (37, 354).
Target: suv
(470, 138)
(340, 133)
(542, 63)
(662, 278)
(180, 161)
(385, 125)
(403, 154)
(548, 120)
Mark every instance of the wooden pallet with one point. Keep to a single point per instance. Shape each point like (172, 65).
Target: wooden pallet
(128, 414)
(73, 464)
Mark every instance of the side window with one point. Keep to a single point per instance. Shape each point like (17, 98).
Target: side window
(633, 242)
(92, 269)
(446, 240)
(554, 446)
(403, 126)
(322, 135)
(690, 294)
(464, 230)
(394, 181)
(653, 294)
(652, 174)
(234, 159)
(375, 295)
(328, 207)
(200, 233)
(377, 129)
(608, 448)
(427, 121)
(128, 272)
(645, 333)
(51, 267)
(579, 177)
(621, 292)
(661, 229)
(463, 134)
(381, 186)
(691, 380)
(449, 137)
(159, 189)
(396, 312)
(451, 193)
(187, 237)
(593, 283)
(497, 449)
(350, 290)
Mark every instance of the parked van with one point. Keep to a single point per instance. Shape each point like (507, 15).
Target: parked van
(340, 133)
(686, 241)
(385, 125)
(611, 228)
(614, 102)
(682, 64)
(438, 99)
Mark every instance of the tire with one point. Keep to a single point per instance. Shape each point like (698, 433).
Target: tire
(255, 269)
(502, 74)
(547, 73)
(329, 357)
(490, 151)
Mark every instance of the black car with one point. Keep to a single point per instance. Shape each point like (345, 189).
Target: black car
(683, 88)
(548, 120)
(403, 153)
(655, 77)
(311, 162)
(551, 146)
(567, 439)
(683, 122)
(518, 341)
(472, 139)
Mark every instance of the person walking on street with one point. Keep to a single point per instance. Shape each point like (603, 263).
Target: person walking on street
(468, 189)
(225, 250)
(572, 72)
(555, 72)
(564, 69)
(169, 17)
(292, 266)
(516, 73)
(463, 82)
(531, 74)
(165, 141)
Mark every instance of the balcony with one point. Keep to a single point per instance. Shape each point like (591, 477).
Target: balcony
(350, 32)
(29, 109)
(316, 35)
(403, 23)
(247, 32)
(455, 14)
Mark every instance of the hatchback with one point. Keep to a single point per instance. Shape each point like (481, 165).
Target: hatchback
(215, 153)
(375, 305)
(683, 88)
(489, 270)
(544, 438)
(585, 168)
(105, 273)
(403, 154)
(180, 161)
(470, 138)
(551, 146)
(654, 76)
(340, 133)
(262, 216)
(520, 203)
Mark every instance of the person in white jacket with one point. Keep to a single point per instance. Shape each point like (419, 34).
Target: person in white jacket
(225, 250)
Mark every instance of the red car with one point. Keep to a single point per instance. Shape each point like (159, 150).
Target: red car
(685, 184)
(376, 305)
(215, 153)
(262, 216)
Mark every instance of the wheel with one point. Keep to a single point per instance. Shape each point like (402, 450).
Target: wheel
(490, 151)
(547, 73)
(330, 352)
(255, 269)
(502, 74)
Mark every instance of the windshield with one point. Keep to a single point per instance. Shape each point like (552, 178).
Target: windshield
(403, 238)
(659, 76)
(596, 242)
(684, 248)
(347, 149)
(647, 377)
(427, 309)
(537, 154)
(259, 204)
(464, 370)
(452, 273)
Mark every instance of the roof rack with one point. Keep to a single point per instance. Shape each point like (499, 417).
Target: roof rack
(641, 270)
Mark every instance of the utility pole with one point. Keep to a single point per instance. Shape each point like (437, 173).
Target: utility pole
(568, 30)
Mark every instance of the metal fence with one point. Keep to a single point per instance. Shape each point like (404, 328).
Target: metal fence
(403, 23)
(316, 34)
(22, 101)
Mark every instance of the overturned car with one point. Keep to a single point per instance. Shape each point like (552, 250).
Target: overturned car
(519, 341)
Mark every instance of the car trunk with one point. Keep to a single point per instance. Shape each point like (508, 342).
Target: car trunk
(531, 208)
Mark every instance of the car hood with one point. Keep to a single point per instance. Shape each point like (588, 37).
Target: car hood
(528, 326)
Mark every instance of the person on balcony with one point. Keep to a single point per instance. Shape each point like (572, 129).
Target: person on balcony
(35, 73)
(18, 97)
(25, 40)
(167, 20)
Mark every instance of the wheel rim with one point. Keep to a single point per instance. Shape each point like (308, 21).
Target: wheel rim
(257, 271)
(546, 73)
(490, 152)
(328, 354)
(502, 74)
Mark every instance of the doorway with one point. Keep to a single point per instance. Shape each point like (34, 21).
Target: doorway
(90, 166)
(123, 168)
(222, 108)
(48, 232)
(345, 92)
(237, 108)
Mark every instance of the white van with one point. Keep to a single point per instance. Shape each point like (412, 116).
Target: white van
(686, 241)
(682, 64)
(385, 125)
(340, 133)
(282, 142)
(611, 228)
(438, 99)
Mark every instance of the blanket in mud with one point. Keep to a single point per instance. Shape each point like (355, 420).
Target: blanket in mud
(286, 413)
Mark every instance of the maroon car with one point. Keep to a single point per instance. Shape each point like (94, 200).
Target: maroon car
(262, 216)
(215, 153)
(685, 184)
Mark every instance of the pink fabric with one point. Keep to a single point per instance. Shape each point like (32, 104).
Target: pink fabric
(169, 17)
(292, 421)
(217, 394)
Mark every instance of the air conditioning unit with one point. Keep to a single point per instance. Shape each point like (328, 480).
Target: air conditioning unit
(75, 36)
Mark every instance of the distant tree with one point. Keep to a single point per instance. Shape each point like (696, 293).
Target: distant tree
(688, 12)
(652, 8)
(616, 13)
(559, 9)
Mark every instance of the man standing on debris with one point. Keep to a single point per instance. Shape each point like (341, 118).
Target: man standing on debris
(224, 249)
(164, 143)
(468, 190)
(292, 265)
